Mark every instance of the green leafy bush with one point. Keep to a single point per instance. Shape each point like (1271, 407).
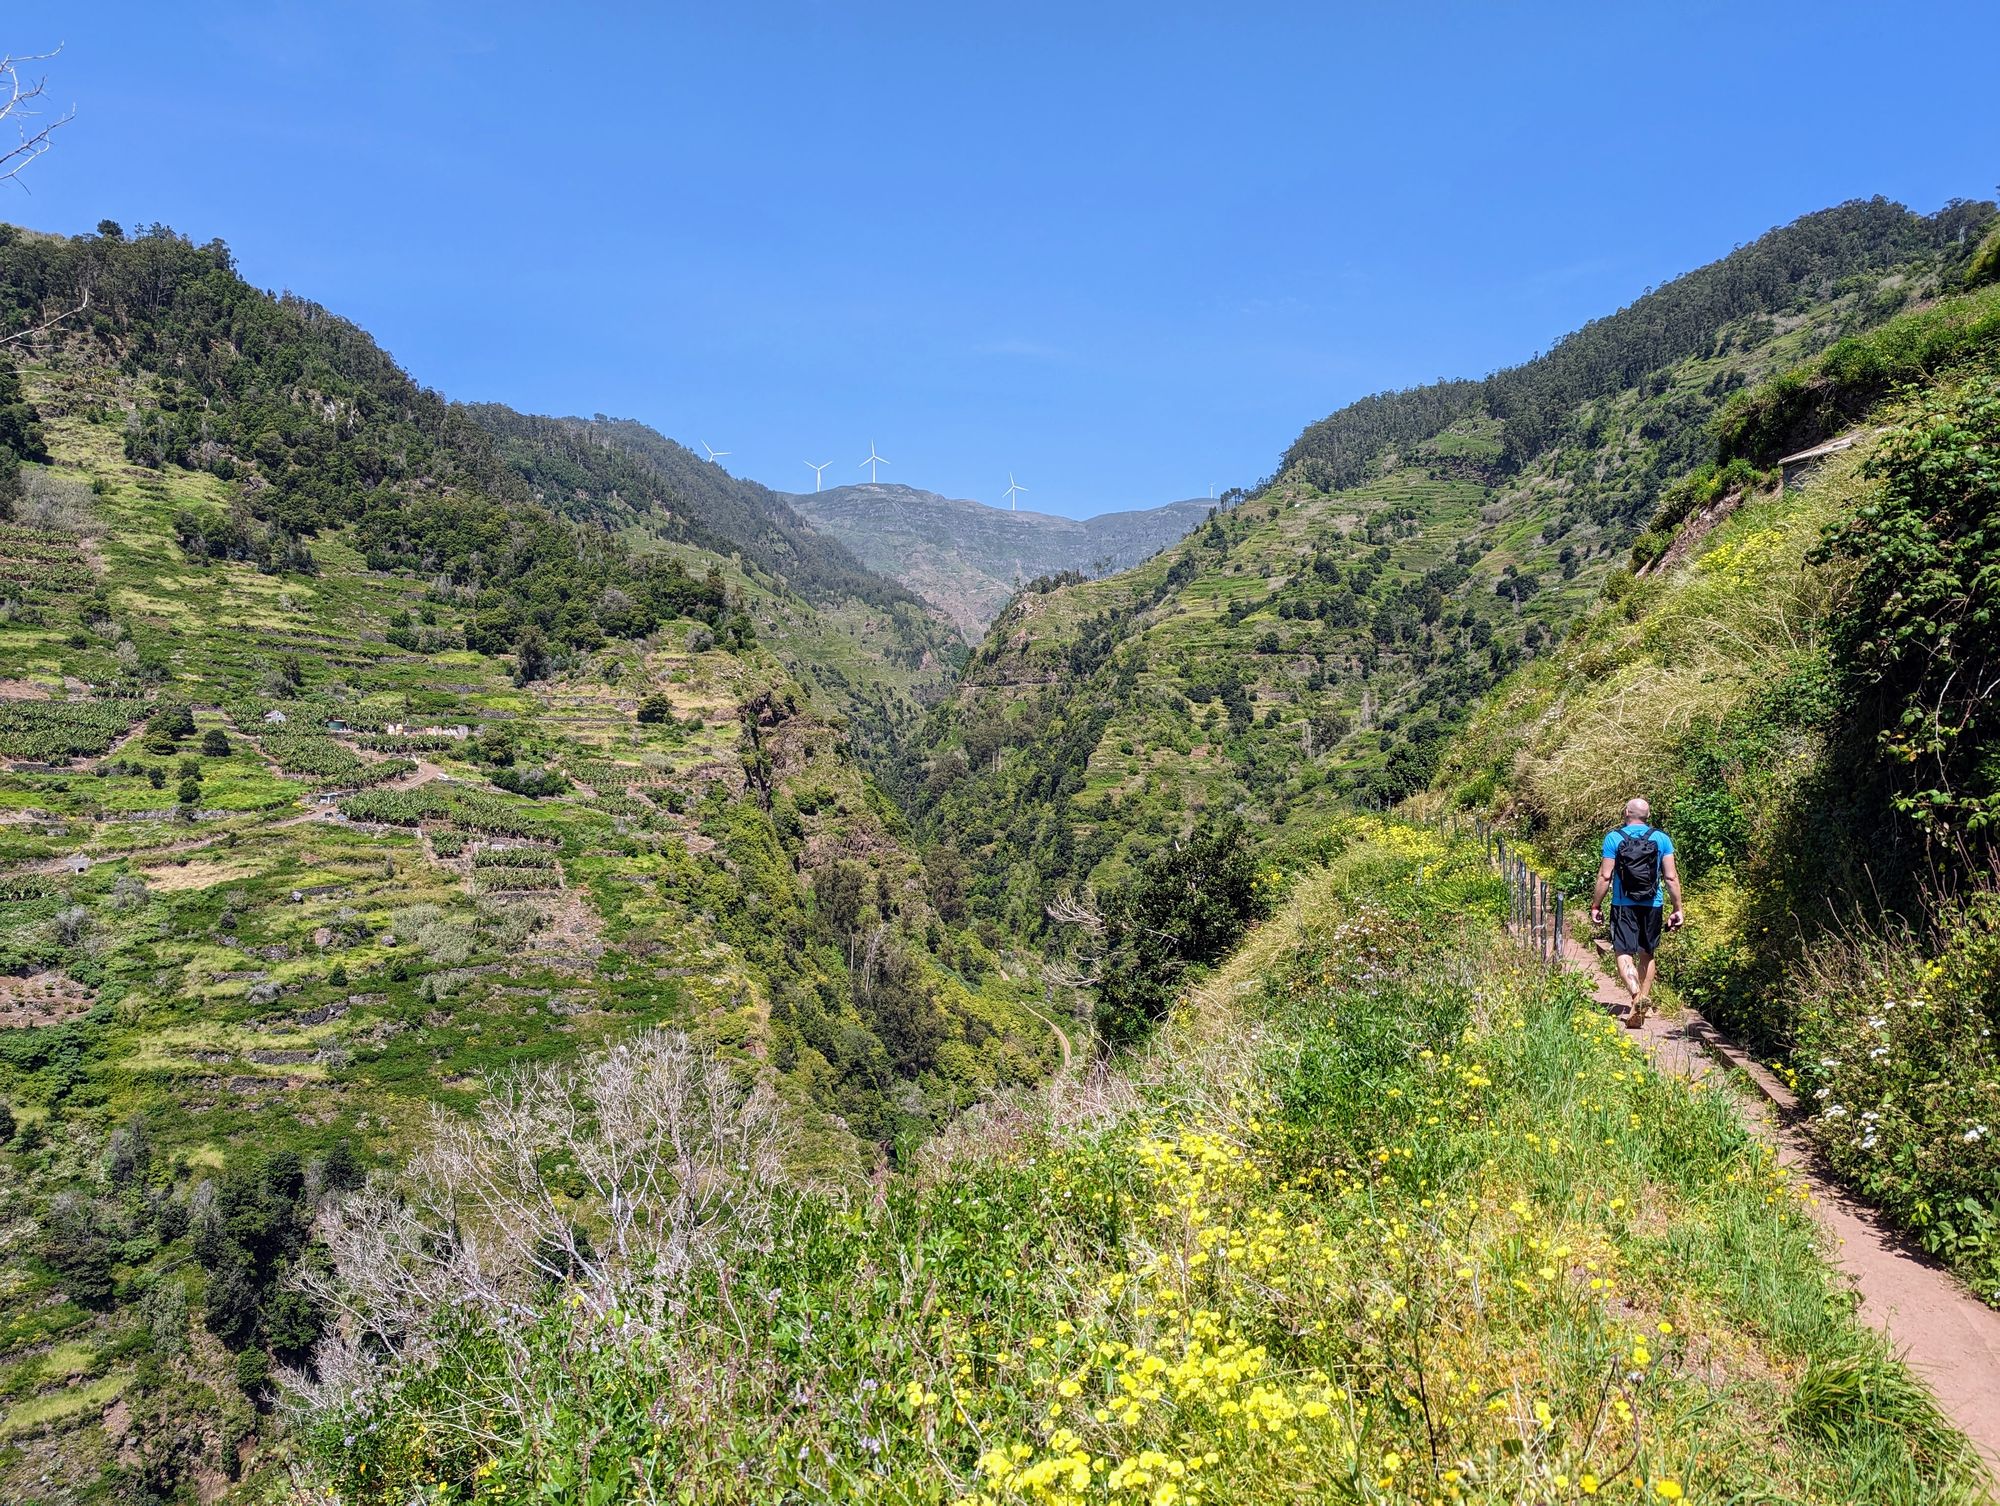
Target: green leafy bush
(1899, 1055)
(1185, 908)
(1919, 632)
(1984, 267)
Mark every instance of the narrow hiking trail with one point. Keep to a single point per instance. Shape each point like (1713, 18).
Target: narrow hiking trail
(1942, 1332)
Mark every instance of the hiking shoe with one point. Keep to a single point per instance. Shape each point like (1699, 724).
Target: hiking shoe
(1636, 1016)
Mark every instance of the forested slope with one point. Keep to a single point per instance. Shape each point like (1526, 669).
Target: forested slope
(1387, 1214)
(1782, 276)
(1316, 646)
(872, 650)
(336, 770)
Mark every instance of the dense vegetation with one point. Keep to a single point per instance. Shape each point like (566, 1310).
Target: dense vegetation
(726, 511)
(1358, 1229)
(1809, 698)
(1317, 645)
(1786, 272)
(624, 472)
(622, 475)
(392, 783)
(328, 790)
(316, 427)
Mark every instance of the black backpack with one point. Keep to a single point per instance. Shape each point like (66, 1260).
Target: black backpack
(1638, 867)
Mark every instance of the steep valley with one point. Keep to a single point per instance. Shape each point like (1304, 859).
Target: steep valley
(531, 964)
(340, 773)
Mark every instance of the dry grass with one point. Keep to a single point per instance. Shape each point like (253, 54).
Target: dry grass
(202, 873)
(1678, 653)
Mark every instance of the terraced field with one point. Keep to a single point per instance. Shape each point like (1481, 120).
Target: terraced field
(312, 913)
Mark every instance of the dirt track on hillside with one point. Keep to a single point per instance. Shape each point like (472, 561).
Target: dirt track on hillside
(1946, 1335)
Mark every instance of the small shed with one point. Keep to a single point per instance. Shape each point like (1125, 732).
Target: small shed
(275, 718)
(1798, 468)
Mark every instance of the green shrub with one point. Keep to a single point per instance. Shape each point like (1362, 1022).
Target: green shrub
(1898, 1054)
(1185, 908)
(1919, 632)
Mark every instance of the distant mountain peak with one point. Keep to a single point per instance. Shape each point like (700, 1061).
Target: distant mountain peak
(967, 558)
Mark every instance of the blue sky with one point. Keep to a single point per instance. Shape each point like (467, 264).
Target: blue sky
(1125, 251)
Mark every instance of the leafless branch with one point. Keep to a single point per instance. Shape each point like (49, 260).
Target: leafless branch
(17, 100)
(1078, 910)
(1069, 975)
(48, 324)
(613, 1179)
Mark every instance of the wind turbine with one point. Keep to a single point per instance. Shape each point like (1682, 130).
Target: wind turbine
(713, 455)
(816, 469)
(1013, 488)
(873, 460)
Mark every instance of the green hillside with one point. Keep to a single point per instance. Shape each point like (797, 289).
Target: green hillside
(1387, 1215)
(871, 649)
(529, 971)
(1802, 687)
(1315, 647)
(620, 471)
(340, 771)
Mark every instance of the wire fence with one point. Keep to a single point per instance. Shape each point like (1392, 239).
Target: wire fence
(1536, 909)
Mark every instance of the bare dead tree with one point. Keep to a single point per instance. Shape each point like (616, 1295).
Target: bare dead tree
(1085, 969)
(613, 1179)
(1080, 910)
(34, 134)
(18, 96)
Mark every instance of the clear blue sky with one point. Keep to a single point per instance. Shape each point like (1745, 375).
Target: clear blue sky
(1126, 251)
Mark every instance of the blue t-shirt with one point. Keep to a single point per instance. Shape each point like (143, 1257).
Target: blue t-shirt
(1660, 840)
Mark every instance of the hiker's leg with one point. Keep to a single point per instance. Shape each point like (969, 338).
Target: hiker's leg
(1628, 970)
(1642, 998)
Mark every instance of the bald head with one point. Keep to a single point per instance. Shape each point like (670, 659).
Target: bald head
(1637, 809)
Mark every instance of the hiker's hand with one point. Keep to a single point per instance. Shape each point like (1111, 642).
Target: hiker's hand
(1676, 920)
(1596, 916)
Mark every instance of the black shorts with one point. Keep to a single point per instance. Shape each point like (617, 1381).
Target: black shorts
(1636, 928)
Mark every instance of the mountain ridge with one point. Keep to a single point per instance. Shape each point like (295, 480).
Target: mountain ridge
(967, 558)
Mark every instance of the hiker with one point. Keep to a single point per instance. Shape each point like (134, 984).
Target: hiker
(1638, 862)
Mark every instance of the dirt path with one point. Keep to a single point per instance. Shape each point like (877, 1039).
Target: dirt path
(1945, 1335)
(1062, 1036)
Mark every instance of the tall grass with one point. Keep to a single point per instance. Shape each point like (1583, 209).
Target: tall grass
(1387, 1214)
